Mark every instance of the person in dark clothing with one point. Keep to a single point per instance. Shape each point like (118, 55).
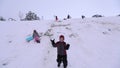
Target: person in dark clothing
(83, 16)
(36, 36)
(56, 18)
(68, 17)
(61, 51)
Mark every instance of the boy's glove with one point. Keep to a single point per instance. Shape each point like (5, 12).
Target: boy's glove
(67, 46)
(53, 41)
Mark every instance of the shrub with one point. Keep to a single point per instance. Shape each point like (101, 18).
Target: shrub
(31, 16)
(97, 16)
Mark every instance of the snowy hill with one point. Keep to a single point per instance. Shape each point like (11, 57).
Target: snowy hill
(95, 43)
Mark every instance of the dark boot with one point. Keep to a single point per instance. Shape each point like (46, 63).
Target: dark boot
(38, 41)
(65, 67)
(58, 64)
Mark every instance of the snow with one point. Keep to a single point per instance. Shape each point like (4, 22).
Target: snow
(94, 43)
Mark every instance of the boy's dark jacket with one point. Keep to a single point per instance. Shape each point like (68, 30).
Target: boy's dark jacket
(61, 47)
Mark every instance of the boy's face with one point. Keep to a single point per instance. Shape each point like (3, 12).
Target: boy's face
(61, 39)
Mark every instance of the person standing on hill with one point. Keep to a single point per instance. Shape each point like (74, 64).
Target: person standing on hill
(83, 16)
(61, 51)
(68, 17)
(56, 18)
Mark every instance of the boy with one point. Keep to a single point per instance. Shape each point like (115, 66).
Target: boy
(61, 51)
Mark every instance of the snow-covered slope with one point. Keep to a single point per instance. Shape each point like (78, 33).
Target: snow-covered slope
(95, 43)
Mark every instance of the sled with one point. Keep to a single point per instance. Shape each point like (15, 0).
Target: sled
(28, 39)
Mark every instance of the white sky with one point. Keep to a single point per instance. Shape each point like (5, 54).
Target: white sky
(49, 8)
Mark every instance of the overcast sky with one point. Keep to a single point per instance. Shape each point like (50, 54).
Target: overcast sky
(49, 8)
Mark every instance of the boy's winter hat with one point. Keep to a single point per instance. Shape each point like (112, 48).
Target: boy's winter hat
(62, 36)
